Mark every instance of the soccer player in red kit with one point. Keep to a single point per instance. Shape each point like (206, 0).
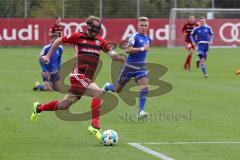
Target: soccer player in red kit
(56, 29)
(87, 45)
(187, 29)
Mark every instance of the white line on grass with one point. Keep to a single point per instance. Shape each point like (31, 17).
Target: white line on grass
(164, 157)
(150, 151)
(219, 142)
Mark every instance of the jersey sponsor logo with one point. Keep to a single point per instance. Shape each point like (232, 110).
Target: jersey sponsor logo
(69, 28)
(90, 50)
(233, 32)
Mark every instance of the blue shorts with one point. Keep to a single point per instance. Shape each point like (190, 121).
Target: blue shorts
(202, 51)
(129, 71)
(53, 77)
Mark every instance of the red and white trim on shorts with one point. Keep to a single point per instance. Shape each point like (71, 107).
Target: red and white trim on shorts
(76, 75)
(189, 45)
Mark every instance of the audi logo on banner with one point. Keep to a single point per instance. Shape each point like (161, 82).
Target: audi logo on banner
(233, 31)
(69, 28)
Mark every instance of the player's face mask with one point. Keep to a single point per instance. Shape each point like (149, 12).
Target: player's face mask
(94, 26)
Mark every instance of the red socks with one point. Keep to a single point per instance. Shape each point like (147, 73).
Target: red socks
(51, 106)
(96, 109)
(187, 64)
(189, 57)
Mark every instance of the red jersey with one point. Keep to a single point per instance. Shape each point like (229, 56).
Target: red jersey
(56, 30)
(87, 52)
(187, 29)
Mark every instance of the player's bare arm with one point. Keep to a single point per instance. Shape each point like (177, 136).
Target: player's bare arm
(115, 56)
(131, 50)
(55, 44)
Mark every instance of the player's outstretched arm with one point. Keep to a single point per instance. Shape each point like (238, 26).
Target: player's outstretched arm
(132, 50)
(55, 44)
(115, 56)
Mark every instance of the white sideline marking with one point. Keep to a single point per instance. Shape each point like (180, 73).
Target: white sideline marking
(150, 151)
(164, 157)
(220, 142)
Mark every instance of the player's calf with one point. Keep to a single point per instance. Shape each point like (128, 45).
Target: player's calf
(203, 68)
(67, 101)
(118, 87)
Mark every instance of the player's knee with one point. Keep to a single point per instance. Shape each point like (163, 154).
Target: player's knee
(202, 61)
(47, 88)
(144, 87)
(98, 94)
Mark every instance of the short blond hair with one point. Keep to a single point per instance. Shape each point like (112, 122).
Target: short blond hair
(92, 18)
(143, 19)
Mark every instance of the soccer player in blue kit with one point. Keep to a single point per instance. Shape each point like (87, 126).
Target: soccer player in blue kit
(134, 67)
(202, 36)
(50, 71)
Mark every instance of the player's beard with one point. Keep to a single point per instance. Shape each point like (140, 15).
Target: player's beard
(92, 34)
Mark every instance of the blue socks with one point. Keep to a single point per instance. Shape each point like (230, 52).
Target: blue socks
(142, 98)
(203, 67)
(142, 95)
(109, 87)
(41, 87)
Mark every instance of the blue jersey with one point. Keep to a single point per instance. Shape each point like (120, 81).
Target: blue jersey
(202, 34)
(55, 60)
(138, 40)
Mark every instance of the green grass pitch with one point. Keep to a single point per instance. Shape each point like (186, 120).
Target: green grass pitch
(210, 107)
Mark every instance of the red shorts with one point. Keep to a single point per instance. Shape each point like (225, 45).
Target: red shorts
(79, 84)
(189, 45)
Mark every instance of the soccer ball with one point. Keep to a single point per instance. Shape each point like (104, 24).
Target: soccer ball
(109, 137)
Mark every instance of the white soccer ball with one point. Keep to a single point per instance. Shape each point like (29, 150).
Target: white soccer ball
(109, 137)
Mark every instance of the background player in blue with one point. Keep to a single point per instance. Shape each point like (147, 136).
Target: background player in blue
(134, 67)
(202, 36)
(50, 71)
